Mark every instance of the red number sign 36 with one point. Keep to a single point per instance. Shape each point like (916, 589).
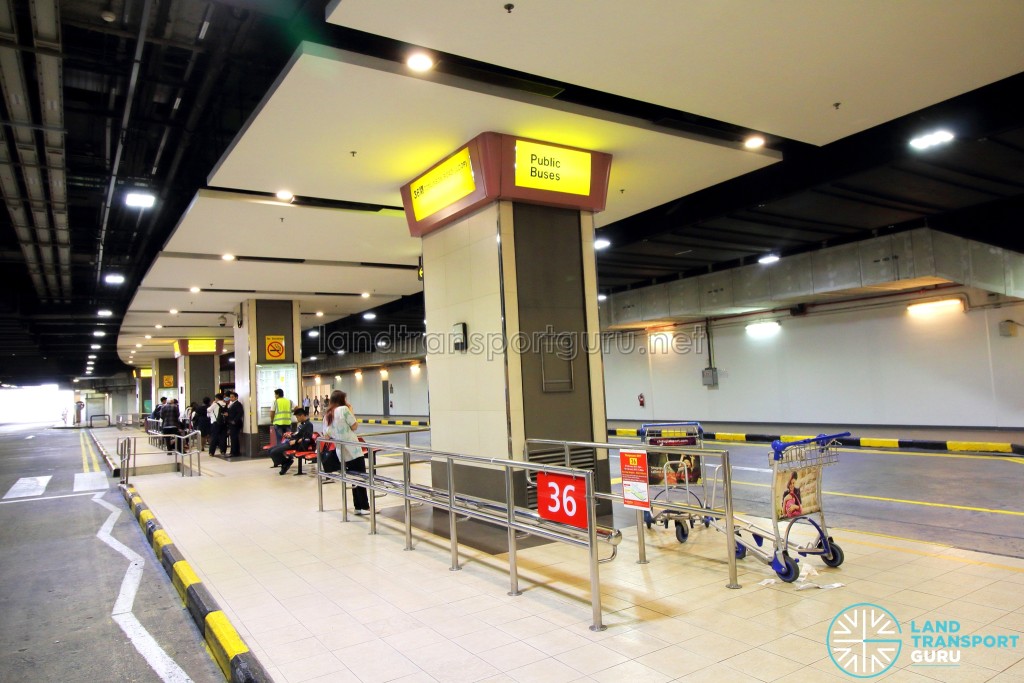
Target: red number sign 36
(562, 498)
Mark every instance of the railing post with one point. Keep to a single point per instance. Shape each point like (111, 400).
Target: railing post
(407, 475)
(320, 479)
(453, 531)
(371, 461)
(513, 571)
(595, 577)
(641, 540)
(730, 528)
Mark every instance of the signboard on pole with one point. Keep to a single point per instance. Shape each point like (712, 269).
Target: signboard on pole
(562, 498)
(633, 466)
(275, 346)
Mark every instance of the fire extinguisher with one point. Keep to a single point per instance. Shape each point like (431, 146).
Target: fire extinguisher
(641, 400)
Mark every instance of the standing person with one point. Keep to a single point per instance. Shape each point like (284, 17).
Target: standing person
(169, 422)
(218, 425)
(236, 416)
(156, 411)
(280, 414)
(202, 421)
(305, 403)
(316, 407)
(340, 425)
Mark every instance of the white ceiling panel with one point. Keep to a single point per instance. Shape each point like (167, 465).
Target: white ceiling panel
(398, 125)
(777, 67)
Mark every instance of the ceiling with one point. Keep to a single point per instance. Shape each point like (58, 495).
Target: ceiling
(222, 103)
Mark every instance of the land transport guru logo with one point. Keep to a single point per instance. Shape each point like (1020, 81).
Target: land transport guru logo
(865, 640)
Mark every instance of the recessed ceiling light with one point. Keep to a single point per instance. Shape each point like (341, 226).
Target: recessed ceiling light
(90, 362)
(91, 356)
(285, 195)
(602, 297)
(114, 279)
(75, 381)
(341, 353)
(369, 316)
(94, 347)
(319, 314)
(131, 362)
(314, 333)
(419, 62)
(194, 290)
(231, 360)
(142, 200)
(99, 333)
(149, 336)
(228, 257)
(104, 313)
(768, 258)
(601, 243)
(382, 343)
(138, 346)
(931, 139)
(159, 327)
(754, 142)
(312, 357)
(88, 371)
(365, 295)
(173, 311)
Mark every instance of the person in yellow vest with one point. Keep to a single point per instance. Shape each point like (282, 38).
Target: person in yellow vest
(281, 414)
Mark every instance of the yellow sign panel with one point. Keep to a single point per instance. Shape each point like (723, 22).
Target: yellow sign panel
(146, 372)
(202, 346)
(168, 381)
(275, 346)
(556, 169)
(443, 185)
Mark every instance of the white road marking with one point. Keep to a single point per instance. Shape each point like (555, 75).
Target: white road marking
(90, 481)
(28, 486)
(751, 469)
(29, 500)
(31, 436)
(161, 663)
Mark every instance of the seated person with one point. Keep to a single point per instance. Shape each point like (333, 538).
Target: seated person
(300, 440)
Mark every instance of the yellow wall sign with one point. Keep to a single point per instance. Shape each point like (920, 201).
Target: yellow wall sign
(275, 346)
(543, 167)
(445, 184)
(168, 381)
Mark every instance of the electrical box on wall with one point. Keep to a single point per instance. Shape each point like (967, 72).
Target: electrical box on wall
(1007, 328)
(709, 377)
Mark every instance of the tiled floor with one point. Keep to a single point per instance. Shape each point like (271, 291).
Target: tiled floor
(321, 600)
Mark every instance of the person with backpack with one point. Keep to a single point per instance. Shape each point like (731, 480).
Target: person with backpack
(218, 413)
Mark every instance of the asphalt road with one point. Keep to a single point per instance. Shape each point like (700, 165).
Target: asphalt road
(59, 581)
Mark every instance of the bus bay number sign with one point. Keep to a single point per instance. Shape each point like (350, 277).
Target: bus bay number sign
(562, 498)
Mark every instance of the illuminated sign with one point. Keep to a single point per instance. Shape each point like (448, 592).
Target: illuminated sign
(443, 185)
(274, 346)
(202, 346)
(168, 381)
(555, 169)
(146, 372)
(177, 349)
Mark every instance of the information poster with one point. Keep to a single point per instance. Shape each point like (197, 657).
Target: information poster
(283, 376)
(633, 466)
(797, 492)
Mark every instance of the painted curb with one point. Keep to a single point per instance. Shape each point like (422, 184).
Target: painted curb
(232, 655)
(114, 468)
(407, 423)
(987, 447)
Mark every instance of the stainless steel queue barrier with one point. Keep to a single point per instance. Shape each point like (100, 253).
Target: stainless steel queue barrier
(726, 512)
(509, 516)
(186, 445)
(407, 431)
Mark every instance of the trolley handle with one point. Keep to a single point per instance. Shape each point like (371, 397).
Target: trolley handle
(647, 425)
(778, 446)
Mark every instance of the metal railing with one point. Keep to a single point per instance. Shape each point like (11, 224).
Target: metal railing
(185, 445)
(707, 510)
(507, 515)
(98, 416)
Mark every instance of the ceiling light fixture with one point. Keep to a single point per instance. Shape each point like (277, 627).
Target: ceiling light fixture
(312, 357)
(231, 359)
(938, 137)
(228, 257)
(763, 329)
(149, 336)
(601, 243)
(314, 333)
(928, 308)
(382, 343)
(602, 297)
(104, 313)
(173, 311)
(419, 62)
(284, 195)
(319, 314)
(91, 356)
(95, 347)
(768, 259)
(341, 353)
(194, 290)
(114, 279)
(365, 295)
(754, 142)
(369, 316)
(99, 333)
(159, 327)
(142, 200)
(138, 346)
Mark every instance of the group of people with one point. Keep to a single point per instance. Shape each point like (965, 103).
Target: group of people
(339, 426)
(316, 404)
(215, 421)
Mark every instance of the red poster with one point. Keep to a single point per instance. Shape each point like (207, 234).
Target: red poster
(633, 466)
(562, 498)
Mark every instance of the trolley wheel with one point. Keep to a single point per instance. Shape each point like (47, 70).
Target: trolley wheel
(648, 519)
(693, 522)
(707, 522)
(741, 551)
(836, 558)
(791, 572)
(682, 532)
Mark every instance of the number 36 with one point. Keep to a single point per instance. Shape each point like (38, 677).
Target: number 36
(565, 502)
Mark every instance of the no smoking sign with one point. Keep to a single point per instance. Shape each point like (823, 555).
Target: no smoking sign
(275, 347)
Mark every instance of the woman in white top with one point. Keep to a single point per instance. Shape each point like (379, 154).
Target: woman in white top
(340, 425)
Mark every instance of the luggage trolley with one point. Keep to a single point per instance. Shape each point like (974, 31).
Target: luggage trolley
(670, 479)
(796, 496)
